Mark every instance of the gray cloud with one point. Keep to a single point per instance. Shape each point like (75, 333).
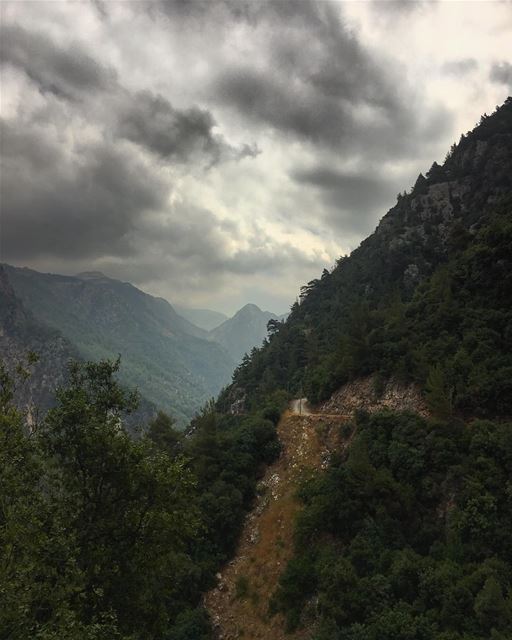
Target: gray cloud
(195, 247)
(395, 7)
(101, 205)
(69, 73)
(316, 82)
(180, 135)
(143, 117)
(351, 199)
(125, 122)
(501, 73)
(460, 67)
(68, 204)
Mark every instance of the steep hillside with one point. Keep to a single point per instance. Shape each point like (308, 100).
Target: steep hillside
(238, 605)
(244, 331)
(166, 357)
(21, 334)
(310, 440)
(424, 291)
(406, 536)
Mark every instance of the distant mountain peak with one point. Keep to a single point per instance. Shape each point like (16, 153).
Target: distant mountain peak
(245, 330)
(249, 307)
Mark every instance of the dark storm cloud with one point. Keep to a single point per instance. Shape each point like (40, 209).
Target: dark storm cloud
(74, 206)
(181, 135)
(394, 7)
(460, 67)
(146, 119)
(95, 197)
(315, 82)
(352, 199)
(69, 73)
(501, 73)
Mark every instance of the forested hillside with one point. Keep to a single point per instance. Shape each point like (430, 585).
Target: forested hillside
(407, 536)
(425, 297)
(24, 342)
(167, 358)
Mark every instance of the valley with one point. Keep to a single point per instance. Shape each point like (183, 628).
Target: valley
(176, 366)
(348, 478)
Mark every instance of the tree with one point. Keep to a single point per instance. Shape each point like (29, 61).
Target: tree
(490, 606)
(437, 394)
(162, 433)
(98, 544)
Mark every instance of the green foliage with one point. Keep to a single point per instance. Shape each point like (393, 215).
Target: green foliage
(453, 336)
(161, 431)
(94, 524)
(407, 538)
(227, 455)
(437, 394)
(427, 292)
(105, 537)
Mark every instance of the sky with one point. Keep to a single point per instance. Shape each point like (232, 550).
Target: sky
(219, 152)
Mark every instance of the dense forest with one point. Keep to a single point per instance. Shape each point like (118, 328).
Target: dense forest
(408, 538)
(425, 298)
(105, 535)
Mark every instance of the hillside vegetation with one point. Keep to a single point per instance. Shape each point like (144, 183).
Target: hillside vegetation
(426, 297)
(403, 535)
(170, 360)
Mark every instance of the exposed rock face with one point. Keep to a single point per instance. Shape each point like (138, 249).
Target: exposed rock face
(365, 394)
(416, 234)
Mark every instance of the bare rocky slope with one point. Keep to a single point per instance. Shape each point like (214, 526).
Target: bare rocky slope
(239, 604)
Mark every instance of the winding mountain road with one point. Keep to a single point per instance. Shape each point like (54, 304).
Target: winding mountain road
(301, 407)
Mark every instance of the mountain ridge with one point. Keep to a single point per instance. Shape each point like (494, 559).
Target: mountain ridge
(244, 331)
(166, 357)
(328, 329)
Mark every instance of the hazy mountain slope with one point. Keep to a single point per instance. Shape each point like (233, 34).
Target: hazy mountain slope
(244, 331)
(203, 318)
(20, 334)
(327, 338)
(163, 355)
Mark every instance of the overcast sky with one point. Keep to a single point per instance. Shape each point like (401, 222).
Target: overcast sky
(223, 152)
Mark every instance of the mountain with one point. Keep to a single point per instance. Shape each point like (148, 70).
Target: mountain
(381, 509)
(244, 331)
(21, 334)
(204, 318)
(402, 523)
(165, 356)
(379, 310)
